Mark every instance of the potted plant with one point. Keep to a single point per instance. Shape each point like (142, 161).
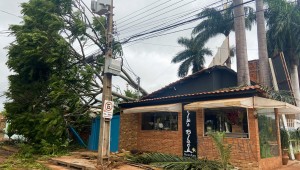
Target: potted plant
(284, 146)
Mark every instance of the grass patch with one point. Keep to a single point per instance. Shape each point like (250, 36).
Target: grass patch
(18, 161)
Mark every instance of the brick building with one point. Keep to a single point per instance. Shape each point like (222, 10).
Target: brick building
(177, 118)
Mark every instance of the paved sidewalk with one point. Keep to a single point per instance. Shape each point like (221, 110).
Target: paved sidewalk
(292, 165)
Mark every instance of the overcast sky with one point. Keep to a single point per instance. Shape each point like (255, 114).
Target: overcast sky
(149, 59)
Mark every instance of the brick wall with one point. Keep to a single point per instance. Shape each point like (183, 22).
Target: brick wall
(245, 152)
(128, 131)
(161, 141)
(132, 137)
(254, 70)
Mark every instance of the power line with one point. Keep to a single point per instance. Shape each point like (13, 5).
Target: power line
(174, 18)
(156, 15)
(184, 14)
(10, 13)
(178, 24)
(123, 57)
(145, 11)
(179, 20)
(139, 10)
(159, 34)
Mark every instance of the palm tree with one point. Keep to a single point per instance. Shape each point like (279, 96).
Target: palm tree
(220, 22)
(193, 55)
(243, 75)
(264, 67)
(283, 20)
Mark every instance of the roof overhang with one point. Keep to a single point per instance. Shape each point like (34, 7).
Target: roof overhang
(248, 102)
(157, 108)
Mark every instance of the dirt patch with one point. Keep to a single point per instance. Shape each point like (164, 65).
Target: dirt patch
(4, 154)
(127, 167)
(88, 160)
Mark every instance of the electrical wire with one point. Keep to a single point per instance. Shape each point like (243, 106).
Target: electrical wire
(182, 15)
(124, 58)
(139, 10)
(169, 19)
(10, 13)
(178, 24)
(144, 12)
(159, 14)
(158, 35)
(179, 20)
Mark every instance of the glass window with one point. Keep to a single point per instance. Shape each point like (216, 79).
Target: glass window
(232, 120)
(267, 133)
(160, 121)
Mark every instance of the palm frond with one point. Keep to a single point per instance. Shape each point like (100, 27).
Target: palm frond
(184, 67)
(173, 162)
(251, 17)
(181, 56)
(184, 42)
(223, 149)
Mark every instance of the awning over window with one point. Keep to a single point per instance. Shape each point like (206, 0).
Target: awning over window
(249, 102)
(157, 108)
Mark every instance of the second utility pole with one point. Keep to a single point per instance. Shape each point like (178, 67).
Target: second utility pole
(104, 136)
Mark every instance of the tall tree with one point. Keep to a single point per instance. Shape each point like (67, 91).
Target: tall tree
(41, 89)
(241, 43)
(283, 19)
(193, 55)
(220, 22)
(264, 67)
(55, 81)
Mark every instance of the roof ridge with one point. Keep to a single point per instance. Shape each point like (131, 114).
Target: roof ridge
(228, 90)
(185, 78)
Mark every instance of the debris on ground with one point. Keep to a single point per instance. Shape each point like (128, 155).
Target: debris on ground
(87, 160)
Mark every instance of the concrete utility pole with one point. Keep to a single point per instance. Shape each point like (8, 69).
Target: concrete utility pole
(241, 43)
(104, 137)
(264, 68)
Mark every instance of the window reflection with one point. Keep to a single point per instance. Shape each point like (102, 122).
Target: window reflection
(267, 133)
(232, 120)
(160, 121)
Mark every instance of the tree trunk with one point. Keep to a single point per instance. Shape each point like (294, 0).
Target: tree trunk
(264, 68)
(241, 44)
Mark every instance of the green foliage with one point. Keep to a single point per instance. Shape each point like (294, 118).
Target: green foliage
(295, 137)
(281, 95)
(217, 22)
(131, 94)
(223, 149)
(48, 77)
(283, 20)
(166, 161)
(267, 134)
(19, 161)
(284, 139)
(193, 55)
